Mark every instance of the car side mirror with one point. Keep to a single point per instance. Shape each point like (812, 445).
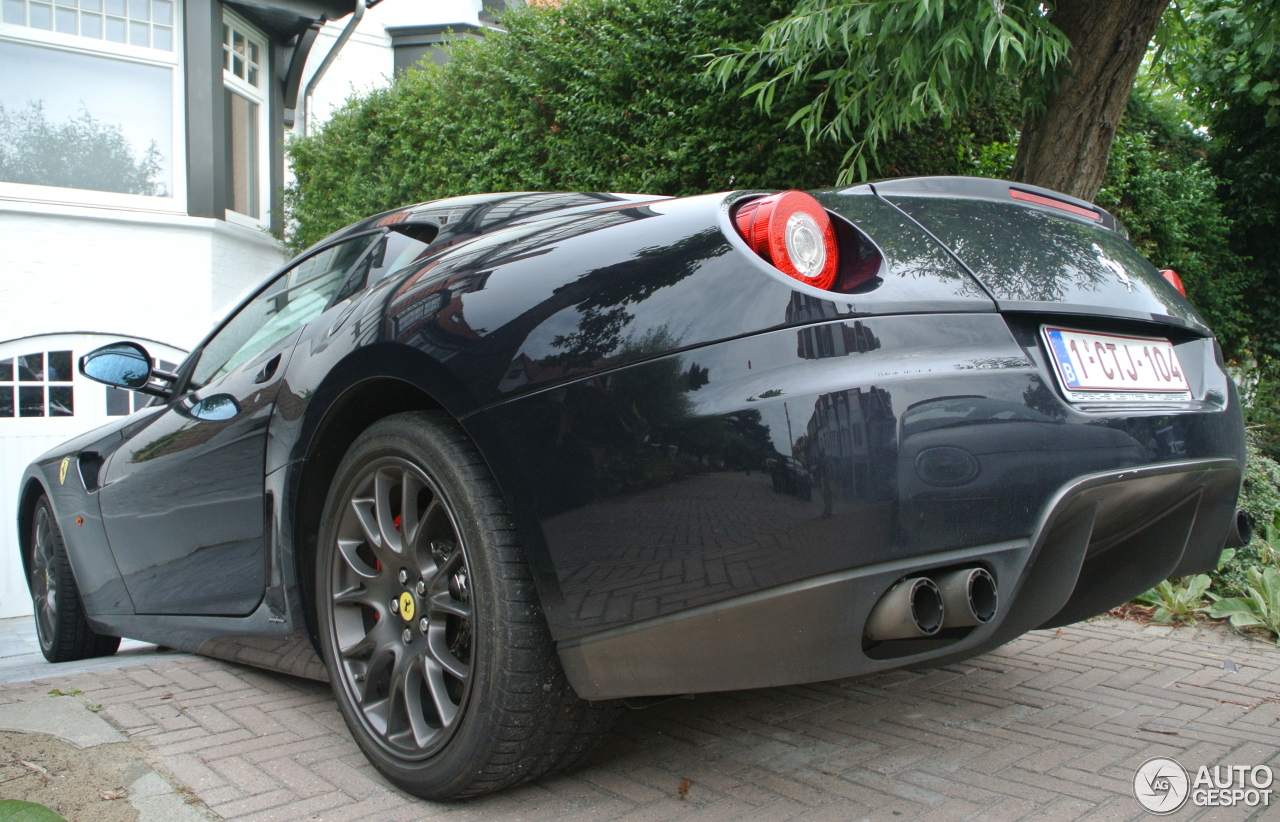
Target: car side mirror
(124, 365)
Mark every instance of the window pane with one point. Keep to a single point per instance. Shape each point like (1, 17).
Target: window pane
(71, 3)
(162, 38)
(115, 30)
(162, 12)
(41, 16)
(31, 401)
(66, 19)
(138, 10)
(139, 34)
(31, 368)
(290, 302)
(242, 154)
(6, 401)
(237, 65)
(15, 11)
(115, 7)
(61, 403)
(91, 25)
(60, 366)
(80, 120)
(6, 370)
(117, 403)
(237, 42)
(253, 77)
(253, 54)
(91, 5)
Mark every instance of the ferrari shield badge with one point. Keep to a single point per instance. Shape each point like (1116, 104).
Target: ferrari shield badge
(62, 470)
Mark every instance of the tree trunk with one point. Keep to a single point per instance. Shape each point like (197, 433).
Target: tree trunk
(1066, 148)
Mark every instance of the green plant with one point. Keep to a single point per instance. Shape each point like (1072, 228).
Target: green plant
(1178, 601)
(15, 810)
(588, 95)
(873, 69)
(1259, 608)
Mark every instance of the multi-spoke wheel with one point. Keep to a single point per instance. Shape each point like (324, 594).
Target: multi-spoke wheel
(430, 624)
(402, 618)
(64, 632)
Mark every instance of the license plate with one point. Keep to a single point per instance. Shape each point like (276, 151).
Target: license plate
(1113, 368)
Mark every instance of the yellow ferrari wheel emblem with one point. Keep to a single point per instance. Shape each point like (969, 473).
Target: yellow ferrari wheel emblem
(406, 606)
(62, 470)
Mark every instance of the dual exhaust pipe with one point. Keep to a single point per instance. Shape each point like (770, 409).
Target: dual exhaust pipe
(922, 606)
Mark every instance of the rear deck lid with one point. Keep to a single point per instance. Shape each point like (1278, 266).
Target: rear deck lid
(1041, 251)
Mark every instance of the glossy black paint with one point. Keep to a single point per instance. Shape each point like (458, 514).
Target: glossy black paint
(677, 426)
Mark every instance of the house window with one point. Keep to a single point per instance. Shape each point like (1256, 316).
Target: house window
(90, 106)
(37, 385)
(146, 23)
(244, 67)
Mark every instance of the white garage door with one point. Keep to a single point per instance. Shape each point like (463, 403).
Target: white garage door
(45, 401)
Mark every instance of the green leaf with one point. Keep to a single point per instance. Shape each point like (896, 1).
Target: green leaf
(15, 810)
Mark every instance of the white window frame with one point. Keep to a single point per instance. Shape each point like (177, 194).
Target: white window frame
(173, 60)
(261, 96)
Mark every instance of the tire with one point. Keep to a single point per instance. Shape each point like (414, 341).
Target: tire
(61, 626)
(466, 695)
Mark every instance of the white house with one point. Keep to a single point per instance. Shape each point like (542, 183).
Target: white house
(141, 166)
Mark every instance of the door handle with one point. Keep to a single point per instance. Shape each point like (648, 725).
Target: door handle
(268, 370)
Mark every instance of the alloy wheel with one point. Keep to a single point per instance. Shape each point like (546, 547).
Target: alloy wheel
(402, 614)
(44, 578)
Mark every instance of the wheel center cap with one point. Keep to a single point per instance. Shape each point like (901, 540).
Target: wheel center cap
(407, 606)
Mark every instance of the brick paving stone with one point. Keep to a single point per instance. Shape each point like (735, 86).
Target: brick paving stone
(1049, 727)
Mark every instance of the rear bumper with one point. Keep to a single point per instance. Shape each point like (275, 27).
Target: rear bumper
(1102, 539)
(727, 516)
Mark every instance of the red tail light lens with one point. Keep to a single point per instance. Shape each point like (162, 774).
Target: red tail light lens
(793, 233)
(1174, 280)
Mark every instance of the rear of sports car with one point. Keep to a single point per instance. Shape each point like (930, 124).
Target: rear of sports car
(985, 413)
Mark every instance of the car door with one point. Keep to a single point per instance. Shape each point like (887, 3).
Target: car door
(183, 498)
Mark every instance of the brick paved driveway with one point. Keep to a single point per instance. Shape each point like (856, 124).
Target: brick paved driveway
(1050, 727)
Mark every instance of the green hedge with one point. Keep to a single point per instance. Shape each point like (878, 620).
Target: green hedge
(595, 95)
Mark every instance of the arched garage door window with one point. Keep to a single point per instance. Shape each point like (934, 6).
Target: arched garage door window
(37, 385)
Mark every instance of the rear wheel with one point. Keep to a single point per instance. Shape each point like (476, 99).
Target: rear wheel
(61, 625)
(431, 628)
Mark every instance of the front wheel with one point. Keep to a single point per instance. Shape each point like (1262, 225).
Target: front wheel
(431, 628)
(61, 625)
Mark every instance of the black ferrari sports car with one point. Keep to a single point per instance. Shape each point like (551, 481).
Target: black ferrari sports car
(495, 465)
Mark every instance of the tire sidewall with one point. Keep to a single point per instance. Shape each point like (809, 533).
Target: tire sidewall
(417, 437)
(54, 568)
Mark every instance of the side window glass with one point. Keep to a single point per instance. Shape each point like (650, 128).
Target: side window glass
(396, 249)
(290, 302)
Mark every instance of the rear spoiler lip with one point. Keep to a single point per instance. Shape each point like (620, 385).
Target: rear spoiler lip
(1003, 191)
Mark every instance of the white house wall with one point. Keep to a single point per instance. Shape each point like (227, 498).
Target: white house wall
(160, 276)
(367, 60)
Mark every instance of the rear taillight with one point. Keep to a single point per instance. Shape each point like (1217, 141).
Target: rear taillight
(793, 233)
(1174, 280)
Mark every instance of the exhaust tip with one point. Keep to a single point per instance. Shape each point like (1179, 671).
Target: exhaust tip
(911, 609)
(1240, 533)
(983, 597)
(926, 606)
(969, 596)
